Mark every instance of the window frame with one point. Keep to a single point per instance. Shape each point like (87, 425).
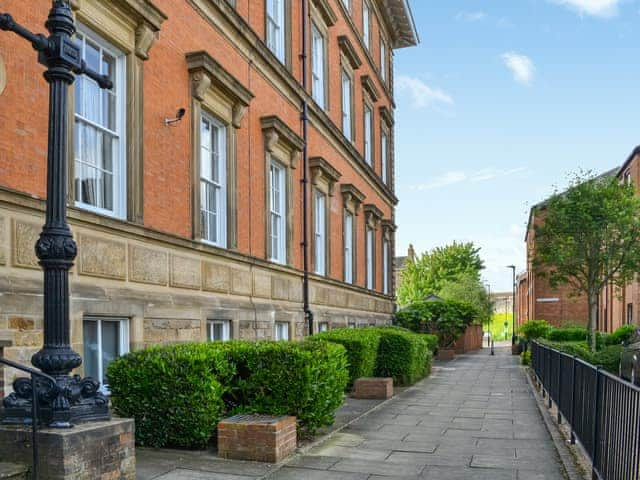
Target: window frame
(282, 242)
(222, 214)
(320, 94)
(366, 24)
(386, 265)
(120, 160)
(227, 330)
(384, 156)
(350, 252)
(347, 111)
(629, 313)
(370, 261)
(124, 325)
(384, 71)
(320, 233)
(279, 327)
(284, 56)
(368, 134)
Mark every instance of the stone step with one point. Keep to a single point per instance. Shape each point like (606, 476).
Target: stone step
(13, 471)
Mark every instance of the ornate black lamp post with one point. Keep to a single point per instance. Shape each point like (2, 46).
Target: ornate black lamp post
(71, 399)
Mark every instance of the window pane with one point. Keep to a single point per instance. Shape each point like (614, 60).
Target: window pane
(91, 349)
(110, 344)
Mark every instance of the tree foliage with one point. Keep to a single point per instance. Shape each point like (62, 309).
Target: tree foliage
(590, 237)
(470, 290)
(433, 270)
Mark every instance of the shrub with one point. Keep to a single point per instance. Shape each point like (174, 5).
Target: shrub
(305, 379)
(534, 329)
(361, 346)
(173, 393)
(403, 355)
(525, 357)
(447, 319)
(178, 394)
(621, 335)
(608, 357)
(568, 334)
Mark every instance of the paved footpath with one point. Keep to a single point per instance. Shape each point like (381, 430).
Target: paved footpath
(475, 418)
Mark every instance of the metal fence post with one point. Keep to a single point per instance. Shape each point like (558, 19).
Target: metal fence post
(559, 399)
(595, 434)
(573, 398)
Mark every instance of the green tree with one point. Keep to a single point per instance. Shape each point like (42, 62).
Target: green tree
(429, 273)
(590, 237)
(469, 289)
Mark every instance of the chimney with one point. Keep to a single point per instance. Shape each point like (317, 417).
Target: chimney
(411, 253)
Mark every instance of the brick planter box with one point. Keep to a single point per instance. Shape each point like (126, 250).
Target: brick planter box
(446, 354)
(259, 438)
(373, 388)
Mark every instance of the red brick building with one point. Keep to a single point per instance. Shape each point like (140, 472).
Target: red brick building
(620, 306)
(192, 229)
(536, 298)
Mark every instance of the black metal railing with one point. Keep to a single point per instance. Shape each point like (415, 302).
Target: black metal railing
(34, 408)
(602, 410)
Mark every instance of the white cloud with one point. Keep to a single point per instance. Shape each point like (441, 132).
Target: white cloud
(521, 67)
(458, 176)
(595, 8)
(423, 95)
(471, 16)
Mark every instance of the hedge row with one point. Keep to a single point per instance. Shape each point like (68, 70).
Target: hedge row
(177, 394)
(384, 352)
(608, 357)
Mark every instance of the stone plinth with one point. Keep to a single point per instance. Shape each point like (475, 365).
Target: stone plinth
(445, 355)
(373, 388)
(91, 451)
(257, 437)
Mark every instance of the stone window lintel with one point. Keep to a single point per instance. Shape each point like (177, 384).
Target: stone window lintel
(388, 228)
(275, 132)
(206, 72)
(351, 195)
(373, 215)
(349, 52)
(147, 17)
(370, 88)
(322, 170)
(328, 15)
(387, 116)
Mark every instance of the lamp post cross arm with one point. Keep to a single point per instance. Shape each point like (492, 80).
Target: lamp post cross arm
(56, 48)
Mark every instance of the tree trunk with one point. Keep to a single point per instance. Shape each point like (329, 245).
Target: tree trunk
(593, 315)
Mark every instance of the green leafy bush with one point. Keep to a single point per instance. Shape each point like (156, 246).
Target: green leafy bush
(447, 319)
(403, 355)
(534, 329)
(608, 357)
(178, 394)
(621, 335)
(525, 357)
(173, 393)
(362, 349)
(305, 379)
(567, 334)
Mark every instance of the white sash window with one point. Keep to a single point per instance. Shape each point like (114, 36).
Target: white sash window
(213, 181)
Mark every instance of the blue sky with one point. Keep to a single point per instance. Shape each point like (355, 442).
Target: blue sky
(500, 101)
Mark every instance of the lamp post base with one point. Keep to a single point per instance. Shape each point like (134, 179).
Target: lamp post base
(71, 400)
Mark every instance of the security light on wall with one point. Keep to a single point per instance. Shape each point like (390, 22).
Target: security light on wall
(179, 116)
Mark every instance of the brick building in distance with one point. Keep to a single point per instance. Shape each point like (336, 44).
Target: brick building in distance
(190, 228)
(536, 298)
(620, 306)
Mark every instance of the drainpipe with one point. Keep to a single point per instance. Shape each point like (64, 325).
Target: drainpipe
(308, 314)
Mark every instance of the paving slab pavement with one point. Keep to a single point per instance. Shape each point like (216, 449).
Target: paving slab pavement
(475, 418)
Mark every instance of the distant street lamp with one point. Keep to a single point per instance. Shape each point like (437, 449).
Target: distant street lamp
(69, 399)
(513, 303)
(488, 285)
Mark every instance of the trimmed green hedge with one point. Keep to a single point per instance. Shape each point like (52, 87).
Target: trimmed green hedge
(362, 349)
(384, 352)
(173, 393)
(403, 355)
(177, 394)
(607, 357)
(568, 334)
